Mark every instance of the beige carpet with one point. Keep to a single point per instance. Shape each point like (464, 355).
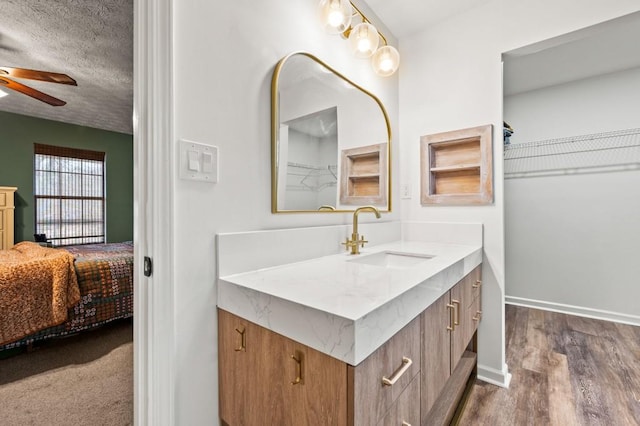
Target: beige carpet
(80, 380)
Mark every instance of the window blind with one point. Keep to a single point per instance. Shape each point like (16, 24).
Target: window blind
(69, 190)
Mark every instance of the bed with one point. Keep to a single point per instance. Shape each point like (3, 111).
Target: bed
(53, 292)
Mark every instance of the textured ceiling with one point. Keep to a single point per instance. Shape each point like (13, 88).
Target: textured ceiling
(90, 40)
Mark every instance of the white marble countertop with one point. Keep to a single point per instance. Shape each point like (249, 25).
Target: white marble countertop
(341, 307)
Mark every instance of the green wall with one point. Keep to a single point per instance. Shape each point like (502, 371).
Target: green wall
(18, 133)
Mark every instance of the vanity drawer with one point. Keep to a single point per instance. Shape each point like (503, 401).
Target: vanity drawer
(472, 286)
(398, 360)
(475, 314)
(406, 410)
(3, 199)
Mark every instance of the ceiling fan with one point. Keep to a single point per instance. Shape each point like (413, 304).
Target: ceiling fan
(50, 77)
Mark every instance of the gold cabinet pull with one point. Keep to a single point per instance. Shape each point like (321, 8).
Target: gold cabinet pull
(298, 361)
(406, 363)
(478, 316)
(452, 323)
(243, 340)
(405, 424)
(477, 284)
(457, 307)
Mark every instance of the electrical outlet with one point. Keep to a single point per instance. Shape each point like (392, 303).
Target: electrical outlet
(405, 191)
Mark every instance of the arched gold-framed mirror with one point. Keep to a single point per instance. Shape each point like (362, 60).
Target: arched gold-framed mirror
(330, 140)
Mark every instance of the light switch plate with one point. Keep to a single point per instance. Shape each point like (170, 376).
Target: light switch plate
(198, 161)
(405, 191)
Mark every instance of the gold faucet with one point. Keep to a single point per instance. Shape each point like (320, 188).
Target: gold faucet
(356, 240)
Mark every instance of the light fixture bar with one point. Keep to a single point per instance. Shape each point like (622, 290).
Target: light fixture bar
(364, 19)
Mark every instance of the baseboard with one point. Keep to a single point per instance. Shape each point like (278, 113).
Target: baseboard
(500, 378)
(574, 310)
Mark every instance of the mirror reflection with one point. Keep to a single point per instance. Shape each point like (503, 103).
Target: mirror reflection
(330, 140)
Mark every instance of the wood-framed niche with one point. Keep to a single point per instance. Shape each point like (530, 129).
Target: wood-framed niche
(456, 167)
(363, 175)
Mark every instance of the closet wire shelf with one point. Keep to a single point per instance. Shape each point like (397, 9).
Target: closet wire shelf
(594, 153)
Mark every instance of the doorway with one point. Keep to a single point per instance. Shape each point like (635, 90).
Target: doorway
(572, 172)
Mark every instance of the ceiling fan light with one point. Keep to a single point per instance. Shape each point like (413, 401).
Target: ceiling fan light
(335, 15)
(385, 61)
(364, 40)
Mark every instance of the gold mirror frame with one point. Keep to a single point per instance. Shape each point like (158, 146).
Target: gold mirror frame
(275, 128)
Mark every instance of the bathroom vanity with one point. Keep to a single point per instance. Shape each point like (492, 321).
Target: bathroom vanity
(381, 338)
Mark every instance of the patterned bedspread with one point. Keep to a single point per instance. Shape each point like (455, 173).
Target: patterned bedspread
(105, 278)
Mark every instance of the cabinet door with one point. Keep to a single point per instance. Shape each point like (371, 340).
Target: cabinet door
(250, 375)
(435, 348)
(317, 385)
(234, 368)
(459, 334)
(259, 378)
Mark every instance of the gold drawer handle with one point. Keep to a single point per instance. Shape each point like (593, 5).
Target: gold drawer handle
(405, 424)
(452, 321)
(457, 304)
(406, 363)
(298, 361)
(477, 284)
(478, 316)
(243, 340)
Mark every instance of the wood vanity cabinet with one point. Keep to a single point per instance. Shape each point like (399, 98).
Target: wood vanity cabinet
(257, 374)
(449, 359)
(268, 379)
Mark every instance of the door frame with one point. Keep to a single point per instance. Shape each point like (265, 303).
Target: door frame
(153, 330)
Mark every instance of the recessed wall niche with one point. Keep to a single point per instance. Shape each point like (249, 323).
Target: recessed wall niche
(456, 167)
(363, 177)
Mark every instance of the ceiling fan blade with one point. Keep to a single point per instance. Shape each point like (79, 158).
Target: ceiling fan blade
(30, 91)
(50, 77)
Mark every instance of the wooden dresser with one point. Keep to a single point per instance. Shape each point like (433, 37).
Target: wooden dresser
(6, 216)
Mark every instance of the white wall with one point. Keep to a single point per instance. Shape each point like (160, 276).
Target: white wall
(603, 103)
(224, 54)
(573, 240)
(451, 78)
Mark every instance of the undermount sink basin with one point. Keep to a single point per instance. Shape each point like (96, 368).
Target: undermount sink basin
(392, 259)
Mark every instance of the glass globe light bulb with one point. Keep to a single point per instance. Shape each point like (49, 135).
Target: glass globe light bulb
(335, 15)
(385, 61)
(364, 40)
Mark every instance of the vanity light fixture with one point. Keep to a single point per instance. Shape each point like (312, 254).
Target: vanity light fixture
(337, 17)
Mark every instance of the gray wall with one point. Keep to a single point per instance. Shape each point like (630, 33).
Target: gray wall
(17, 136)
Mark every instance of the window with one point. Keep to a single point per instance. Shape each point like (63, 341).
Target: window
(69, 195)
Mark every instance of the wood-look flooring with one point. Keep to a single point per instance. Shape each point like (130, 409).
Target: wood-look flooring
(566, 370)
